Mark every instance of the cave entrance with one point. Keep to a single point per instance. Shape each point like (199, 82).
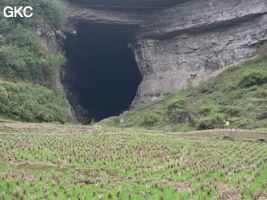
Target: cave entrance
(102, 76)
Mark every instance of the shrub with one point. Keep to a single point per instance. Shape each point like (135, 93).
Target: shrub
(231, 111)
(252, 78)
(205, 110)
(261, 93)
(262, 116)
(181, 116)
(27, 102)
(205, 124)
(215, 121)
(150, 119)
(177, 104)
(251, 107)
(52, 11)
(22, 55)
(17, 63)
(261, 140)
(228, 138)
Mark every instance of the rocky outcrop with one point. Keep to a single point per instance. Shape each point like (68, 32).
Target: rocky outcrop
(186, 43)
(52, 40)
(77, 12)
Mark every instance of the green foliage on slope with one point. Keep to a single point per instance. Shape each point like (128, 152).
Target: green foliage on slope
(27, 102)
(26, 61)
(239, 94)
(22, 55)
(45, 11)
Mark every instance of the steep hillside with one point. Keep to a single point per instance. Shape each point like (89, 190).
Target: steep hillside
(239, 94)
(29, 66)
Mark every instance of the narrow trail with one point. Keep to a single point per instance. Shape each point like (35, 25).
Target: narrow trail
(53, 129)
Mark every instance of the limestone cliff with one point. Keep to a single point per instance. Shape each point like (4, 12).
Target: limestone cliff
(185, 42)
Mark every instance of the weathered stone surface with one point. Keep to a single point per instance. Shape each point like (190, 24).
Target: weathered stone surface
(168, 65)
(189, 41)
(78, 12)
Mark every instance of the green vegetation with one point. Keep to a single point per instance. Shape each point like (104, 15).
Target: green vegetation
(239, 94)
(27, 102)
(25, 59)
(41, 161)
(22, 55)
(49, 12)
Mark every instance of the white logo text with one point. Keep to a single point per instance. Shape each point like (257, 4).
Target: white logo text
(10, 12)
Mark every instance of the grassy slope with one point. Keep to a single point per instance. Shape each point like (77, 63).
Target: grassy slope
(238, 94)
(41, 161)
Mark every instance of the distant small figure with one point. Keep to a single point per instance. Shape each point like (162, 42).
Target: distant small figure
(193, 75)
(122, 123)
(227, 124)
(74, 32)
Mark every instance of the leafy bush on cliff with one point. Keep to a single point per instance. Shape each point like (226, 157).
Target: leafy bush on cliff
(24, 58)
(177, 104)
(150, 119)
(213, 121)
(252, 78)
(22, 55)
(45, 11)
(231, 111)
(26, 102)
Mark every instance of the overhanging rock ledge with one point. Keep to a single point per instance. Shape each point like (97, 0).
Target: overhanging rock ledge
(182, 42)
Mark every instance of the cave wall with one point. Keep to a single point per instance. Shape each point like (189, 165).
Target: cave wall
(186, 42)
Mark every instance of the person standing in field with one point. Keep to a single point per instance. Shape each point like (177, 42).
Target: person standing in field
(227, 124)
(122, 123)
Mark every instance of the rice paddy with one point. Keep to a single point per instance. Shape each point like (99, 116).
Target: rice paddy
(89, 162)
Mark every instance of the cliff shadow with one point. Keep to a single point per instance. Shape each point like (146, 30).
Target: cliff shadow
(101, 78)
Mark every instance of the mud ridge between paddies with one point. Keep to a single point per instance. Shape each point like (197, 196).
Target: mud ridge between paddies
(54, 129)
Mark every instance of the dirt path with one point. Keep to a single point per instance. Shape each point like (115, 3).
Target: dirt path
(53, 129)
(250, 134)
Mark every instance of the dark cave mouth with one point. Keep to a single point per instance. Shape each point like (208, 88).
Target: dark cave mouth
(102, 77)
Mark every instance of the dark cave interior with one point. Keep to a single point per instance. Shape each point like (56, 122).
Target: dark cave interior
(101, 77)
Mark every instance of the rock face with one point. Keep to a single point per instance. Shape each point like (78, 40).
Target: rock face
(185, 43)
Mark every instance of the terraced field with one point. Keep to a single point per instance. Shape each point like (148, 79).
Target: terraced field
(81, 162)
